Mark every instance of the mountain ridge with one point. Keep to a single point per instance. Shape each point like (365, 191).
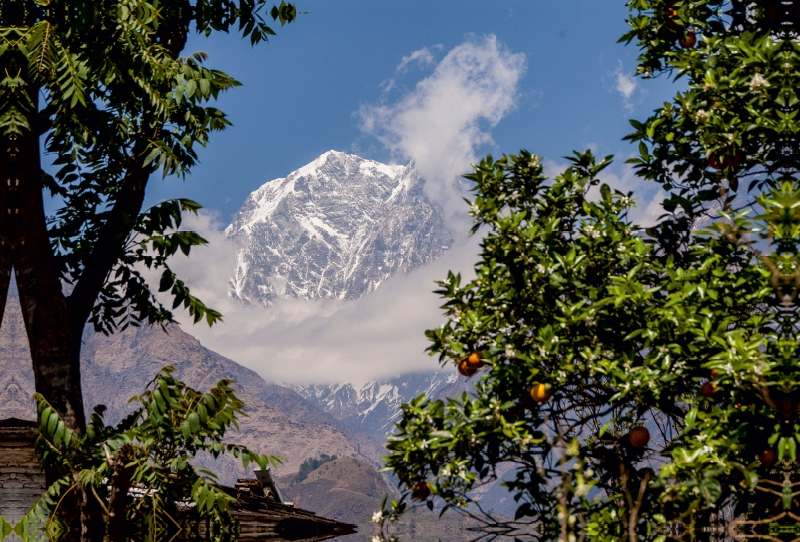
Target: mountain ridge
(119, 366)
(374, 406)
(335, 228)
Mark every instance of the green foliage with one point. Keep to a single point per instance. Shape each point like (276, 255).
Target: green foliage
(311, 464)
(147, 459)
(119, 103)
(592, 329)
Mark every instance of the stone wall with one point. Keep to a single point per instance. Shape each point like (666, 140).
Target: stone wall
(21, 477)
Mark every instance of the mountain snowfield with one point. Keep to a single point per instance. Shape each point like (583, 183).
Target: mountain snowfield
(374, 407)
(335, 228)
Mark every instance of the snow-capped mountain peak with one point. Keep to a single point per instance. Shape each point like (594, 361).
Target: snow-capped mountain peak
(335, 228)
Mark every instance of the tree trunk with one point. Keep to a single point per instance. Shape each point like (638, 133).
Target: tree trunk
(54, 349)
(118, 498)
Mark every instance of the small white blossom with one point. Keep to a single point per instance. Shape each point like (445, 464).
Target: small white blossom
(591, 232)
(621, 249)
(424, 444)
(758, 82)
(555, 338)
(787, 65)
(701, 116)
(377, 517)
(540, 269)
(510, 352)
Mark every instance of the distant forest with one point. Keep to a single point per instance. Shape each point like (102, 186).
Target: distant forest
(310, 465)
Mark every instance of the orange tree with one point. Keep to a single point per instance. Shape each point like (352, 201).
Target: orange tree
(640, 384)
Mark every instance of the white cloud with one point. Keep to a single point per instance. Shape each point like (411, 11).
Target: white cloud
(423, 56)
(626, 85)
(448, 115)
(439, 124)
(379, 335)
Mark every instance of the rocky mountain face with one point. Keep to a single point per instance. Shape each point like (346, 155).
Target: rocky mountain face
(374, 407)
(335, 228)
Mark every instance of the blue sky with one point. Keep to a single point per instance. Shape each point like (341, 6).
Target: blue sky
(440, 82)
(303, 90)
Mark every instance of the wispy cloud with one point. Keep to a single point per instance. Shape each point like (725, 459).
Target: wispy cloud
(423, 57)
(626, 85)
(448, 115)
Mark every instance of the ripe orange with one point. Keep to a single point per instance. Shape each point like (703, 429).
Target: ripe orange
(768, 458)
(540, 393)
(734, 160)
(421, 491)
(708, 389)
(639, 437)
(475, 360)
(689, 40)
(465, 369)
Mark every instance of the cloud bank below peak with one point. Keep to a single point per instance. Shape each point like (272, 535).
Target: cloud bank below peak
(440, 124)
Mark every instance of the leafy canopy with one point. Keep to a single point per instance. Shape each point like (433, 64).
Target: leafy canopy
(145, 461)
(641, 384)
(105, 83)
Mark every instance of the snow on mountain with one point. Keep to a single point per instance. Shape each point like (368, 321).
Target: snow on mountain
(375, 406)
(335, 228)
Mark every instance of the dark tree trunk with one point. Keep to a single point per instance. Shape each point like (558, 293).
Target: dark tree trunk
(55, 350)
(118, 498)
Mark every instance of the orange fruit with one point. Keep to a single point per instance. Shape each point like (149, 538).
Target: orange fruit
(708, 389)
(714, 374)
(734, 160)
(688, 41)
(768, 458)
(465, 369)
(639, 437)
(540, 393)
(421, 491)
(475, 360)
